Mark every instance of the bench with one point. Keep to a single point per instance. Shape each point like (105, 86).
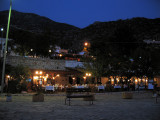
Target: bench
(157, 95)
(79, 93)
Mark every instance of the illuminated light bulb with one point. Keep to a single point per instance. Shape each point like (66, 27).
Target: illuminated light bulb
(35, 77)
(85, 43)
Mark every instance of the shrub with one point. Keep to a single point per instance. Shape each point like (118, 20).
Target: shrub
(12, 86)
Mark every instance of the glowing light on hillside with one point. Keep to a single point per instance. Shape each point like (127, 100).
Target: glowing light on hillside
(86, 44)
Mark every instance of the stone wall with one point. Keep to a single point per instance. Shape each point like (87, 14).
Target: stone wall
(36, 63)
(43, 63)
(73, 64)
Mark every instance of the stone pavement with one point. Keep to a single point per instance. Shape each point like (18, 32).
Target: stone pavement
(106, 107)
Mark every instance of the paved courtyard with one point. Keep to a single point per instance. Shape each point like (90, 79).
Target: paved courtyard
(107, 106)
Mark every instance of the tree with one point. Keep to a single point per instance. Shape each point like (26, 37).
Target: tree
(7, 68)
(142, 63)
(20, 73)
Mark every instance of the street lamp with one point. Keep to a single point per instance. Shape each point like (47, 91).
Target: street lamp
(31, 52)
(39, 76)
(2, 29)
(86, 43)
(2, 42)
(4, 59)
(88, 75)
(54, 78)
(84, 79)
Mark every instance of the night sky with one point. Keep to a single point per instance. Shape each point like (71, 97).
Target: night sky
(81, 13)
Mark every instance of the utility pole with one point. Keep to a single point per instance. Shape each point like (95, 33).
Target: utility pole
(4, 59)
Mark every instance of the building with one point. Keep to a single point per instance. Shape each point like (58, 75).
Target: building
(9, 50)
(49, 71)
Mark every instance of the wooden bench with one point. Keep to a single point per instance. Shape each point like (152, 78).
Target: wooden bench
(79, 93)
(157, 95)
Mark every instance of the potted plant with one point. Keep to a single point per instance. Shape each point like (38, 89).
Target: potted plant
(9, 97)
(39, 96)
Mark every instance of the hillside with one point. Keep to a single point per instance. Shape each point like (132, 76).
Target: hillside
(31, 26)
(142, 28)
(33, 22)
(27, 28)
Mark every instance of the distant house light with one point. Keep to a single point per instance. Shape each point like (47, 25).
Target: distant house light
(85, 43)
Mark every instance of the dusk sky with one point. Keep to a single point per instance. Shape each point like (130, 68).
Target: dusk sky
(82, 13)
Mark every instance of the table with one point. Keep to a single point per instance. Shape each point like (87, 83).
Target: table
(117, 86)
(49, 88)
(80, 87)
(150, 86)
(101, 87)
(141, 87)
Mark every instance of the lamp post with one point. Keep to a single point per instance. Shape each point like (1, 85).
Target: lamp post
(88, 75)
(54, 78)
(50, 53)
(86, 45)
(2, 42)
(39, 77)
(31, 51)
(4, 59)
